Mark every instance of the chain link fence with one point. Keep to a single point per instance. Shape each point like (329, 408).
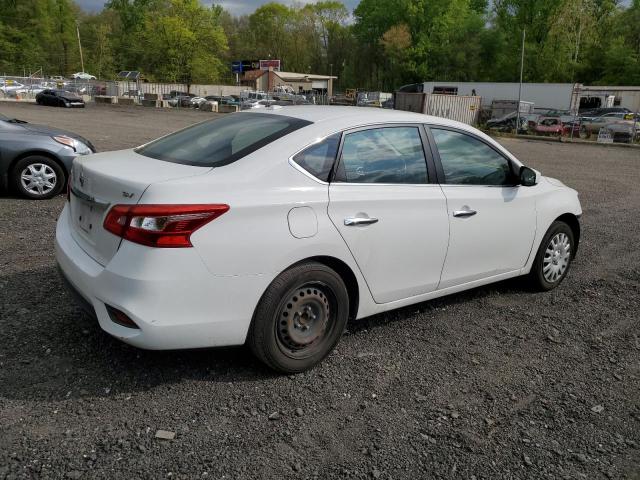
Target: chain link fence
(26, 88)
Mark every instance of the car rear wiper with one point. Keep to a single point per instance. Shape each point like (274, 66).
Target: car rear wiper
(16, 120)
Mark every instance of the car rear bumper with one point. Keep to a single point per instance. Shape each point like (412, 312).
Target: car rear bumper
(169, 294)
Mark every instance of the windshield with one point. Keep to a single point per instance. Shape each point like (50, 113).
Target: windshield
(222, 141)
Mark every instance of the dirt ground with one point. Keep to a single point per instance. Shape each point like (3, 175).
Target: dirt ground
(497, 382)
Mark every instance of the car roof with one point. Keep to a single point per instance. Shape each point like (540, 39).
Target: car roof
(332, 119)
(354, 116)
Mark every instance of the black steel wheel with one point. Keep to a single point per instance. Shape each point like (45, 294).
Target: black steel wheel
(300, 318)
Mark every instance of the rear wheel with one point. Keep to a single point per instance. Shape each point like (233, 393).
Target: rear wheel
(300, 318)
(38, 177)
(554, 257)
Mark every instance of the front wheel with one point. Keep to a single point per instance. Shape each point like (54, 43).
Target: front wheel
(554, 257)
(38, 177)
(300, 318)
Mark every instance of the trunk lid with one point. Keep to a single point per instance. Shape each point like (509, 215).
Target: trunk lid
(102, 180)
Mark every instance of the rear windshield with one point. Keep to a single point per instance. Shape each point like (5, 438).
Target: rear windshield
(222, 141)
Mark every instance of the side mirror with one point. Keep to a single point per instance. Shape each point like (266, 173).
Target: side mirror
(527, 177)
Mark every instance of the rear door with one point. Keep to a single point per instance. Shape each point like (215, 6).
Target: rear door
(392, 218)
(492, 218)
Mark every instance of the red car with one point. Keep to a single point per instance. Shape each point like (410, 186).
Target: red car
(554, 126)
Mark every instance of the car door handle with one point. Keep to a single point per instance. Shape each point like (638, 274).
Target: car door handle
(355, 221)
(464, 213)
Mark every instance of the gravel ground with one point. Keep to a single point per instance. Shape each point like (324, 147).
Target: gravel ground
(492, 383)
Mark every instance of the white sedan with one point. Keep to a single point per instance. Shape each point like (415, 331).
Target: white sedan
(275, 227)
(83, 76)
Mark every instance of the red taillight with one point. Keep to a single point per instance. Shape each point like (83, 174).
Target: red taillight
(168, 226)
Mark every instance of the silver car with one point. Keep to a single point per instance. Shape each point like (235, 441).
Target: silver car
(35, 160)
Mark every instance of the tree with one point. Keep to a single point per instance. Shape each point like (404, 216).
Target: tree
(183, 42)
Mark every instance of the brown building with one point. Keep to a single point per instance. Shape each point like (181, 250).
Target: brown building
(268, 80)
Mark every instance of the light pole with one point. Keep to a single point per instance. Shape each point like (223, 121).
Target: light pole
(520, 86)
(80, 46)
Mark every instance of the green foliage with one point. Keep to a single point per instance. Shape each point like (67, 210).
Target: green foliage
(382, 44)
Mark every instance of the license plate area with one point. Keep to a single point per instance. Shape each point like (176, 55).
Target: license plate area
(87, 216)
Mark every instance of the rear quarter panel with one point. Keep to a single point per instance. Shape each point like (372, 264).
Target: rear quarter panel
(253, 238)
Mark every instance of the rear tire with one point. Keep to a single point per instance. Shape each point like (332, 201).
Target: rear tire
(300, 318)
(554, 257)
(38, 177)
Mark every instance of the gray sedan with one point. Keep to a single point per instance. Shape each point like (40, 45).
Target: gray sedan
(35, 160)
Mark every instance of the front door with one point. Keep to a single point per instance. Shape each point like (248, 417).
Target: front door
(492, 218)
(392, 219)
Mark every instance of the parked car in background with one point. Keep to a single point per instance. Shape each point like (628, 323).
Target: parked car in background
(181, 101)
(598, 112)
(507, 123)
(222, 99)
(35, 160)
(195, 102)
(554, 126)
(621, 132)
(250, 104)
(592, 125)
(59, 98)
(276, 227)
(83, 76)
(7, 86)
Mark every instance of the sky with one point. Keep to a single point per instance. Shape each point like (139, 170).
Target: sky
(236, 7)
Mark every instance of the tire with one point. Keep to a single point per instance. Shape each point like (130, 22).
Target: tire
(554, 257)
(45, 176)
(300, 318)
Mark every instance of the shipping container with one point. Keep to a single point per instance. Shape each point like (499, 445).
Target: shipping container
(545, 96)
(463, 109)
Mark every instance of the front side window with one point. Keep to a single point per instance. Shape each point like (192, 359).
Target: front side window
(469, 161)
(383, 155)
(318, 158)
(222, 141)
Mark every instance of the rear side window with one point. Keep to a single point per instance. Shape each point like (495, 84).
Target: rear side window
(222, 141)
(318, 158)
(383, 155)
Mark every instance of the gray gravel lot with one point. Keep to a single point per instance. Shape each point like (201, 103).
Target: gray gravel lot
(497, 382)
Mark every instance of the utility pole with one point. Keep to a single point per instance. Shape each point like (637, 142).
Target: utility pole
(520, 86)
(80, 46)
